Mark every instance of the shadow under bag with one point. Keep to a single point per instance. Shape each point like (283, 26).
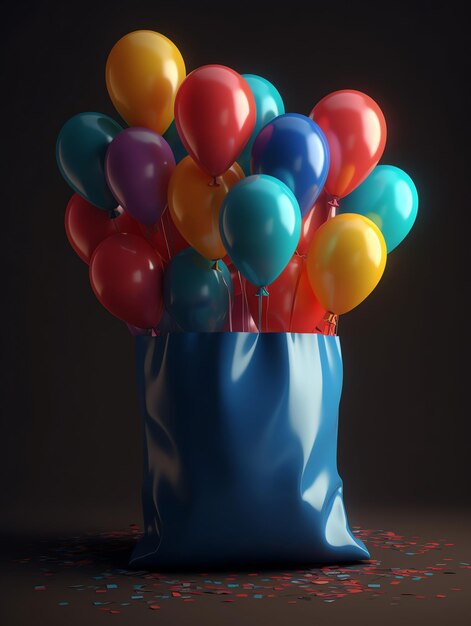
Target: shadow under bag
(240, 451)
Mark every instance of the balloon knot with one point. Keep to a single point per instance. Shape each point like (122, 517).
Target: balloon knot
(114, 213)
(262, 292)
(330, 323)
(214, 182)
(334, 202)
(216, 267)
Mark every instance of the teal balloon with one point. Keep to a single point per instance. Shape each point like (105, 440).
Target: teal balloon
(389, 198)
(172, 137)
(260, 225)
(268, 105)
(198, 294)
(80, 152)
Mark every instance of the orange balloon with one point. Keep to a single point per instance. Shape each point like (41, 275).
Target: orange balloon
(143, 73)
(195, 201)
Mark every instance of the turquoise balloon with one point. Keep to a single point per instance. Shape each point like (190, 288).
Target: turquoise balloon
(198, 294)
(80, 152)
(260, 225)
(389, 198)
(172, 137)
(268, 105)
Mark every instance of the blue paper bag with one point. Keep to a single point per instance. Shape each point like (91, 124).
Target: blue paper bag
(240, 449)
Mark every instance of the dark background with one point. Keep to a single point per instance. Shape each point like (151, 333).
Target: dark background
(71, 442)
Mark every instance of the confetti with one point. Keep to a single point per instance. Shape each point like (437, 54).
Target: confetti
(96, 573)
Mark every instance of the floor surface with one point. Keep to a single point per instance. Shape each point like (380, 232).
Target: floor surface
(420, 573)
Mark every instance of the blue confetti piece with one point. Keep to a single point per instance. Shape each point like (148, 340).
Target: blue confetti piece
(233, 585)
(416, 577)
(258, 596)
(136, 597)
(410, 553)
(137, 586)
(374, 585)
(428, 573)
(111, 586)
(63, 603)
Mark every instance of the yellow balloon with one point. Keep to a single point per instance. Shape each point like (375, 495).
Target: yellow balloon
(143, 73)
(345, 262)
(195, 201)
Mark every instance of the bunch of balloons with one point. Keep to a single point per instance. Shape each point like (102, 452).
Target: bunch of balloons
(212, 209)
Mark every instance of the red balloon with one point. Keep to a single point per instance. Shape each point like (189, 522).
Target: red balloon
(215, 116)
(356, 133)
(320, 213)
(126, 276)
(291, 305)
(86, 225)
(164, 237)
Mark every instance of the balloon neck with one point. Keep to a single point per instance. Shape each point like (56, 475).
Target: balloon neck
(328, 326)
(334, 203)
(262, 292)
(114, 213)
(216, 267)
(214, 182)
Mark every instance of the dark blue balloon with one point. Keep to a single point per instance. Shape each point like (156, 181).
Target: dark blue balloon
(80, 151)
(172, 137)
(198, 293)
(293, 149)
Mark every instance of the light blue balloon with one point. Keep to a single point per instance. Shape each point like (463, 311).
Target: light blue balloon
(268, 104)
(80, 152)
(198, 294)
(260, 225)
(388, 197)
(172, 137)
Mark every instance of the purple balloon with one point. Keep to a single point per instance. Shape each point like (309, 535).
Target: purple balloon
(138, 166)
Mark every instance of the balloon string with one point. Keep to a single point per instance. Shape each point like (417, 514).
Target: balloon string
(229, 296)
(243, 304)
(266, 314)
(246, 308)
(298, 280)
(165, 233)
(260, 306)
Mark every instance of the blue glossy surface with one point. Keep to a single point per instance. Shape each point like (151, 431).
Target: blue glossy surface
(293, 148)
(389, 198)
(260, 225)
(269, 104)
(240, 435)
(80, 152)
